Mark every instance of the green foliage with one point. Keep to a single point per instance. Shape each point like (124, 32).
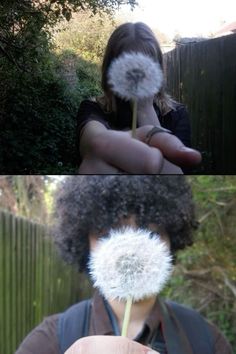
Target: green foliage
(24, 196)
(205, 275)
(23, 23)
(36, 114)
(38, 103)
(39, 126)
(85, 35)
(88, 80)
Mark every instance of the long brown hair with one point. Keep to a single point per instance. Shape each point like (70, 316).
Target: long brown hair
(132, 37)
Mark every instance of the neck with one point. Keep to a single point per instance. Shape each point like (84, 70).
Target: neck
(139, 312)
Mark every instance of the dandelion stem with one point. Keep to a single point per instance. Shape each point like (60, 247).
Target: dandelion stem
(126, 317)
(134, 119)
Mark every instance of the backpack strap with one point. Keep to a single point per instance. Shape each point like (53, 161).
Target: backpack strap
(73, 324)
(195, 327)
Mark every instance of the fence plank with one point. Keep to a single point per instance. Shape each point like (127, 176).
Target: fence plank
(203, 76)
(1, 277)
(7, 283)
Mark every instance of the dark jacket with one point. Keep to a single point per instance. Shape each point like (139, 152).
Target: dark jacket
(44, 338)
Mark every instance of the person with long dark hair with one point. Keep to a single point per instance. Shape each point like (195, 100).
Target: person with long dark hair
(163, 140)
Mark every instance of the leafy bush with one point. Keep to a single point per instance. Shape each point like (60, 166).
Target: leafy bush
(39, 122)
(38, 104)
(85, 35)
(204, 277)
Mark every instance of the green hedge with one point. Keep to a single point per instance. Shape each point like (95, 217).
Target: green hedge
(38, 118)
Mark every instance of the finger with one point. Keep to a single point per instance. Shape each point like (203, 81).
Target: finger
(93, 165)
(175, 151)
(172, 148)
(107, 345)
(170, 169)
(129, 155)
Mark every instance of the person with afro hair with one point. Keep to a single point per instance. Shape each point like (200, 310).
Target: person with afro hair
(86, 208)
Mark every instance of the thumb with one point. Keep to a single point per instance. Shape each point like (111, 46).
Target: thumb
(171, 147)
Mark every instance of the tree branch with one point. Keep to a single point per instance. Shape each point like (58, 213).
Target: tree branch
(205, 216)
(201, 273)
(227, 282)
(9, 57)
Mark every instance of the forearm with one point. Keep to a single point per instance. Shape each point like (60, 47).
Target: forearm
(89, 136)
(105, 150)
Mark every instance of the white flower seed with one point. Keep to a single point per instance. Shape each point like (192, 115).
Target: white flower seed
(135, 76)
(130, 263)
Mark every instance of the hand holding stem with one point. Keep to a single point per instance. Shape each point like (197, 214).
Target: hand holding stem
(143, 114)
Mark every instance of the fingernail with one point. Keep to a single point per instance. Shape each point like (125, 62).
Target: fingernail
(152, 352)
(185, 148)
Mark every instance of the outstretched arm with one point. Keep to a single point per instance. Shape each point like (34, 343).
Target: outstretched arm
(109, 151)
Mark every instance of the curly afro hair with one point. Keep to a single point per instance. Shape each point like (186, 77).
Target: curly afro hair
(92, 204)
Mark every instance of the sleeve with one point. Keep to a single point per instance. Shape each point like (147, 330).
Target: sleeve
(89, 110)
(221, 344)
(42, 339)
(181, 125)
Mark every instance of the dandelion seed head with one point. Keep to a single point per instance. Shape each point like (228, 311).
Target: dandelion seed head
(135, 76)
(130, 263)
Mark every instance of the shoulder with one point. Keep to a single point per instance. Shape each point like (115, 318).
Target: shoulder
(90, 105)
(177, 114)
(42, 339)
(192, 321)
(90, 109)
(183, 313)
(179, 110)
(70, 328)
(221, 344)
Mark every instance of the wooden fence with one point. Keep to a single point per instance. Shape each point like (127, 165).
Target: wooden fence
(203, 76)
(34, 281)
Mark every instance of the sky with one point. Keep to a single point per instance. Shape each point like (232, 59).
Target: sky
(187, 17)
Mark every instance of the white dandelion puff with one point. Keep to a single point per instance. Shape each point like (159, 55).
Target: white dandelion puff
(130, 264)
(134, 76)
